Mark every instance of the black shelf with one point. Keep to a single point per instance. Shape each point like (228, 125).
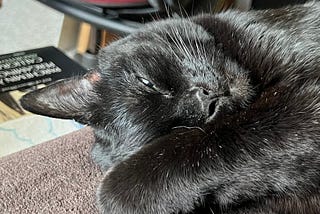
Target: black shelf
(94, 15)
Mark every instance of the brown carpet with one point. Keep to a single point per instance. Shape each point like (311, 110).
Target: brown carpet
(54, 177)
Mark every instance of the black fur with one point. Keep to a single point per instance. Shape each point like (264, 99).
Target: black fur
(209, 114)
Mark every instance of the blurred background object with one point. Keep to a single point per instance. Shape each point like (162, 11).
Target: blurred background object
(262, 4)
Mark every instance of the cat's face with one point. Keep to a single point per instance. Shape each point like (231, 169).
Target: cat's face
(166, 75)
(169, 75)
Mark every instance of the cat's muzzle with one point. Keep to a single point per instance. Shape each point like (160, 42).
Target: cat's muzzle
(208, 100)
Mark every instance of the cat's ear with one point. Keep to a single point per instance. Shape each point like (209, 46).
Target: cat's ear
(67, 99)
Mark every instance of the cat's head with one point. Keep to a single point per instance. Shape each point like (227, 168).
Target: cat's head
(168, 74)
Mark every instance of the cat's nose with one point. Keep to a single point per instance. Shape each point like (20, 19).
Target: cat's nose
(209, 100)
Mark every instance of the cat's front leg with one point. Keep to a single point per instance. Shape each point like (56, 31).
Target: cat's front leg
(156, 180)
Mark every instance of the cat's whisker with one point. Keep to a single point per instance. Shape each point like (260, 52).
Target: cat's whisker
(192, 50)
(180, 44)
(179, 41)
(153, 18)
(177, 44)
(167, 10)
(167, 44)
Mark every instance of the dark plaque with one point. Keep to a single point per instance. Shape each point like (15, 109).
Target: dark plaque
(24, 69)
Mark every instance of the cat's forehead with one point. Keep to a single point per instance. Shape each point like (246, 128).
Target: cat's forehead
(178, 28)
(171, 48)
(164, 39)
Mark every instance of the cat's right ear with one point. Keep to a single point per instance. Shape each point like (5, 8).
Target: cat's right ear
(67, 99)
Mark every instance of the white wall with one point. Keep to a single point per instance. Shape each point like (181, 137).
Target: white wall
(28, 24)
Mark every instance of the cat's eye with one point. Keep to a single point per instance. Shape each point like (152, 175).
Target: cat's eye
(147, 83)
(152, 86)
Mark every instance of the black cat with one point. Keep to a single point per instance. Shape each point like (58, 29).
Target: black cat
(208, 114)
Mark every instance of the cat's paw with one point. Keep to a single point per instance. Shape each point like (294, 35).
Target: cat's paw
(122, 192)
(153, 180)
(106, 202)
(114, 196)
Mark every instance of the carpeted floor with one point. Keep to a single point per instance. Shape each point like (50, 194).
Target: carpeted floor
(54, 177)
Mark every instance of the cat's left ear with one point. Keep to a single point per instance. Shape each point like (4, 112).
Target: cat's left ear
(67, 99)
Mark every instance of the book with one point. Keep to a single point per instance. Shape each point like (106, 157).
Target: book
(27, 70)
